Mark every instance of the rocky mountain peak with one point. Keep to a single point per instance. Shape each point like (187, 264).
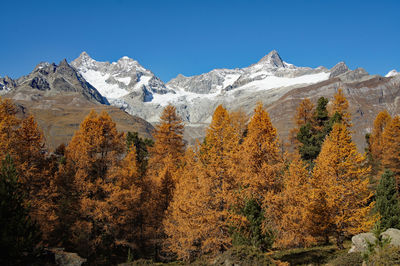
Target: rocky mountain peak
(339, 69)
(273, 59)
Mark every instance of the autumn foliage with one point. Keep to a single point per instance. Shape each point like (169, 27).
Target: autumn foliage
(109, 196)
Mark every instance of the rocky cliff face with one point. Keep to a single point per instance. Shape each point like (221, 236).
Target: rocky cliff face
(52, 80)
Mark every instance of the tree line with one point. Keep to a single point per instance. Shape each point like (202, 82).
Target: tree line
(108, 194)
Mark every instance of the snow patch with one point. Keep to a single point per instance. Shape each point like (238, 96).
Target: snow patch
(98, 80)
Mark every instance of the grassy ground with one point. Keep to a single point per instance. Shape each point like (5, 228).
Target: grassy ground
(318, 255)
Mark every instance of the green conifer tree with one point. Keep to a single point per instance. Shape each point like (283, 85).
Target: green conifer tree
(387, 201)
(312, 135)
(142, 151)
(18, 234)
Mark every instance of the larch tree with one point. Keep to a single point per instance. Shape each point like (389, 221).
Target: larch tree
(8, 126)
(126, 199)
(261, 161)
(290, 207)
(23, 140)
(217, 154)
(165, 160)
(186, 224)
(375, 140)
(340, 105)
(340, 188)
(391, 147)
(94, 150)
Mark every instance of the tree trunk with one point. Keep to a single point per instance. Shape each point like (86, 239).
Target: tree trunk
(339, 241)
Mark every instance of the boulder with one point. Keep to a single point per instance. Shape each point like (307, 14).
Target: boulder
(63, 258)
(394, 235)
(360, 242)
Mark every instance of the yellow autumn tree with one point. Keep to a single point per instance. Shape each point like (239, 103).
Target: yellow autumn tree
(260, 158)
(391, 147)
(340, 106)
(126, 201)
(186, 224)
(217, 155)
(375, 141)
(8, 127)
(165, 159)
(198, 217)
(290, 207)
(94, 150)
(23, 140)
(340, 197)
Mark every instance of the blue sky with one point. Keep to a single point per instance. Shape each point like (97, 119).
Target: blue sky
(192, 37)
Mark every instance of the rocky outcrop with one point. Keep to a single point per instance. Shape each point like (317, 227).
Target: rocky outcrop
(339, 69)
(6, 84)
(360, 241)
(63, 258)
(54, 80)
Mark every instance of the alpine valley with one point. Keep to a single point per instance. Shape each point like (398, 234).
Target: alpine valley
(61, 95)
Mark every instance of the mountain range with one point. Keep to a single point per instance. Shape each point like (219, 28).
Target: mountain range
(129, 87)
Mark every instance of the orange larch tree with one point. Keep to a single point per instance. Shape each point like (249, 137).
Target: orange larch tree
(289, 207)
(391, 147)
(186, 224)
(126, 201)
(375, 140)
(165, 160)
(94, 150)
(340, 197)
(340, 105)
(260, 158)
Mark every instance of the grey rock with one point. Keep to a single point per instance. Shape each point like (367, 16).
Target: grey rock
(6, 84)
(63, 258)
(394, 235)
(360, 242)
(339, 69)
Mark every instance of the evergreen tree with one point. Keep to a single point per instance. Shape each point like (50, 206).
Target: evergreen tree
(18, 234)
(387, 202)
(251, 232)
(142, 146)
(312, 134)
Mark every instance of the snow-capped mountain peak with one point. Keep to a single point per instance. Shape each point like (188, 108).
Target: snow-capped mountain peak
(392, 73)
(118, 79)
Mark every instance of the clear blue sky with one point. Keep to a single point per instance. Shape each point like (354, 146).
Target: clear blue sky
(193, 37)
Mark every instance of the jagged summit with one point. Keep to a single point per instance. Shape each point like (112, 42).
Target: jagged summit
(273, 59)
(118, 79)
(339, 69)
(48, 80)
